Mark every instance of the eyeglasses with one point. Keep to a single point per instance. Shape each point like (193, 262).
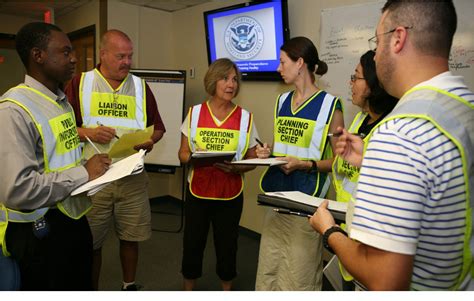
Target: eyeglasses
(374, 41)
(354, 78)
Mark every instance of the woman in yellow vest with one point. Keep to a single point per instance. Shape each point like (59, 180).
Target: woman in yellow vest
(375, 104)
(215, 191)
(290, 254)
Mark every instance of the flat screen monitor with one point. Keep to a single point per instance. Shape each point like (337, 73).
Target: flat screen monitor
(250, 34)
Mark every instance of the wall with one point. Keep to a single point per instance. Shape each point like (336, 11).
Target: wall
(11, 24)
(150, 31)
(84, 16)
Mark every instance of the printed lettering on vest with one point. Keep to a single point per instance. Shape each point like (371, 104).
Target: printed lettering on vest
(112, 105)
(217, 139)
(293, 131)
(64, 129)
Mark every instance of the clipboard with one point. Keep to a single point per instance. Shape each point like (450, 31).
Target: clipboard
(298, 201)
(207, 158)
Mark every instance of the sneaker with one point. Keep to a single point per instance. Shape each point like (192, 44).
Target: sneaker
(133, 287)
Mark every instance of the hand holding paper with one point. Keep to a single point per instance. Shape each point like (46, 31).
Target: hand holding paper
(125, 167)
(125, 145)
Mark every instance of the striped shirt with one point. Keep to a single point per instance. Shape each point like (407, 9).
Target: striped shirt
(411, 197)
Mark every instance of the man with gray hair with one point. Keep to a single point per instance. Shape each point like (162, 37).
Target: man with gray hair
(109, 102)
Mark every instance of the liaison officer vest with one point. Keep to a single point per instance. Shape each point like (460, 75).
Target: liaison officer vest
(301, 134)
(208, 182)
(61, 151)
(123, 108)
(344, 174)
(454, 117)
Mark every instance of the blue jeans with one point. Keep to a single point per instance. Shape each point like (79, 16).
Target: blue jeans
(9, 274)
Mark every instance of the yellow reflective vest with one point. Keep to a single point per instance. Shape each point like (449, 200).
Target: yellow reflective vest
(61, 151)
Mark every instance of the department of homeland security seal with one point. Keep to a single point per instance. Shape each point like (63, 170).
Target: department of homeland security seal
(243, 38)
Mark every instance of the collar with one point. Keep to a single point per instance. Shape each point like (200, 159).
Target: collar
(33, 83)
(444, 81)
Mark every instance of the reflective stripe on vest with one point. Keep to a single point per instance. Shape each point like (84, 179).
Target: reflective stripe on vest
(22, 217)
(344, 184)
(319, 129)
(57, 128)
(454, 117)
(124, 107)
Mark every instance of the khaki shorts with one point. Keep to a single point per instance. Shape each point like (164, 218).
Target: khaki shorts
(126, 202)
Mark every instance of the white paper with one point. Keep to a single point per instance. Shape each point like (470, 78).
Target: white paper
(303, 198)
(207, 154)
(257, 161)
(120, 169)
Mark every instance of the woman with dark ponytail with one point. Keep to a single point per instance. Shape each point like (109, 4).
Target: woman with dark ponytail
(290, 252)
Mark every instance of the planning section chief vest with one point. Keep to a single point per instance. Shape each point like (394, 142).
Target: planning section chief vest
(61, 151)
(454, 117)
(344, 174)
(301, 134)
(123, 108)
(208, 182)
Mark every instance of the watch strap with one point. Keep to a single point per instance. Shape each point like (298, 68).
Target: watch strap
(328, 233)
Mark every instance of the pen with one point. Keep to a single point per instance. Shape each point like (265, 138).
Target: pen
(93, 145)
(287, 211)
(100, 124)
(259, 142)
(361, 135)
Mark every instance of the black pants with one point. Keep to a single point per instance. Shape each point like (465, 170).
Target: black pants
(60, 261)
(224, 217)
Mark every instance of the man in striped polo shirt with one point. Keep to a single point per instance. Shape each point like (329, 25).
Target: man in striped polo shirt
(410, 219)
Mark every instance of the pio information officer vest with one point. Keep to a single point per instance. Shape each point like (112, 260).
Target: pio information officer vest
(123, 108)
(301, 134)
(344, 174)
(61, 151)
(208, 182)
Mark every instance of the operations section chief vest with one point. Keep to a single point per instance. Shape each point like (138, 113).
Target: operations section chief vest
(123, 108)
(301, 134)
(208, 182)
(61, 151)
(344, 174)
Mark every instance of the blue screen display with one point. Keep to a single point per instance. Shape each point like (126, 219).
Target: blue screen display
(251, 35)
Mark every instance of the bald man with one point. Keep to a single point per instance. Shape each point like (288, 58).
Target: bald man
(109, 102)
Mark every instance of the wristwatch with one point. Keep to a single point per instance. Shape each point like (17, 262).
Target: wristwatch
(314, 167)
(328, 233)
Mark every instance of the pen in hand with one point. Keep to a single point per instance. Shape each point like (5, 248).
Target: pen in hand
(100, 124)
(259, 142)
(287, 211)
(93, 145)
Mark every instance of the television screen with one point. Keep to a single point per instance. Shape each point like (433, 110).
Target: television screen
(250, 34)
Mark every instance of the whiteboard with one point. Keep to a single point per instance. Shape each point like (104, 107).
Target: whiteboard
(168, 87)
(344, 32)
